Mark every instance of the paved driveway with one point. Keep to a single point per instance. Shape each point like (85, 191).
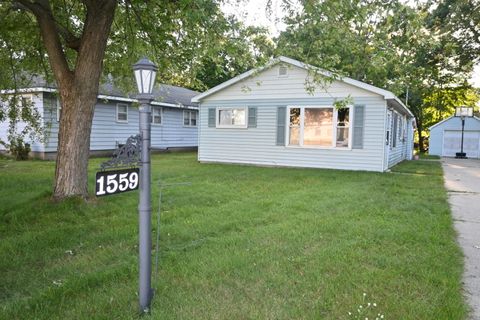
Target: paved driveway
(462, 180)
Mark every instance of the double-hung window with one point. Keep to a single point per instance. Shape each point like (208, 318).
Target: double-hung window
(319, 127)
(157, 115)
(190, 118)
(122, 112)
(232, 117)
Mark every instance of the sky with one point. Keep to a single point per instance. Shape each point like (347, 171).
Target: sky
(253, 12)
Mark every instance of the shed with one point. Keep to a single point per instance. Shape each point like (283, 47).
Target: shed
(446, 137)
(277, 115)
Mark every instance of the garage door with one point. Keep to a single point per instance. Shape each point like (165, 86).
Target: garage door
(452, 140)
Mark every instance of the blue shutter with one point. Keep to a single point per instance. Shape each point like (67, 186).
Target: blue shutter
(211, 117)
(252, 117)
(358, 126)
(281, 120)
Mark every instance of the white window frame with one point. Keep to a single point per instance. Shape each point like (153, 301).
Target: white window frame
(59, 109)
(190, 112)
(161, 116)
(334, 127)
(231, 126)
(116, 115)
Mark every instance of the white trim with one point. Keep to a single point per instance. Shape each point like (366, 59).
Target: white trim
(27, 90)
(362, 85)
(58, 109)
(232, 126)
(116, 113)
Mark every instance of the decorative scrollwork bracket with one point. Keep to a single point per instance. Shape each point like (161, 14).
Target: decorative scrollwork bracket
(127, 155)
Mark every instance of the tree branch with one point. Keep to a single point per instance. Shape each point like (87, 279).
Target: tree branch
(50, 33)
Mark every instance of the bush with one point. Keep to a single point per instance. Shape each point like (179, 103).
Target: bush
(19, 149)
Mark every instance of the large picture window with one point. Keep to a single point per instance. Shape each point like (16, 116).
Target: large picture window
(232, 117)
(319, 127)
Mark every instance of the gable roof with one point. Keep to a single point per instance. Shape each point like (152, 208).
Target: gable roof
(445, 120)
(362, 85)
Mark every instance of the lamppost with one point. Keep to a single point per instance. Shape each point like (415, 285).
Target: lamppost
(463, 112)
(145, 72)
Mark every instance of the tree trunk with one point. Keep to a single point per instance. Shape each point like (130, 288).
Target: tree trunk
(420, 138)
(78, 105)
(78, 87)
(78, 98)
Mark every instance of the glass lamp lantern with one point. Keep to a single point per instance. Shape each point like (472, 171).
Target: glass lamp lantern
(145, 72)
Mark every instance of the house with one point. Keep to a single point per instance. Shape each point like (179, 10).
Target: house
(116, 117)
(446, 136)
(271, 117)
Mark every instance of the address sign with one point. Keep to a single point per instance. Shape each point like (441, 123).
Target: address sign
(111, 182)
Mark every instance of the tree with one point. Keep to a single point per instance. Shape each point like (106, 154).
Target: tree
(84, 41)
(386, 44)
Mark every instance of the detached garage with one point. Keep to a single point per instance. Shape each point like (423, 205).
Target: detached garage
(446, 137)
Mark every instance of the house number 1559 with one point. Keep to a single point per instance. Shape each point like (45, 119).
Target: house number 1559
(111, 182)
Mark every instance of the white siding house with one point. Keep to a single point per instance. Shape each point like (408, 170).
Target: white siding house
(270, 117)
(174, 120)
(445, 137)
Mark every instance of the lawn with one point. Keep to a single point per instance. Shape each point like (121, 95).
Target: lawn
(238, 242)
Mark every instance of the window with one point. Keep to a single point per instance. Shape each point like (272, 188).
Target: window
(343, 127)
(232, 117)
(318, 130)
(394, 130)
(389, 126)
(190, 118)
(294, 127)
(157, 113)
(319, 127)
(122, 113)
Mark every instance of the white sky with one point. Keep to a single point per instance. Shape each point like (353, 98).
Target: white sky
(254, 13)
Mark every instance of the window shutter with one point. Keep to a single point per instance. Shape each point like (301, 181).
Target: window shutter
(252, 117)
(281, 114)
(358, 127)
(211, 117)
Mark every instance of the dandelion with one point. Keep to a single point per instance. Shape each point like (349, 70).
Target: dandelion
(374, 304)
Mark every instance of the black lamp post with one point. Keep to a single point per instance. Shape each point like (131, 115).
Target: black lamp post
(145, 72)
(462, 113)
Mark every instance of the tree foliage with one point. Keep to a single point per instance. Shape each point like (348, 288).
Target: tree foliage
(385, 43)
(77, 44)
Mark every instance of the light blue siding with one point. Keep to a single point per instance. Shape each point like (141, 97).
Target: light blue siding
(258, 145)
(107, 133)
(453, 123)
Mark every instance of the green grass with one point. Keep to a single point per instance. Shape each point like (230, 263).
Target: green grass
(238, 243)
(427, 156)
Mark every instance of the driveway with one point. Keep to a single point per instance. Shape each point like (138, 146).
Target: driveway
(462, 180)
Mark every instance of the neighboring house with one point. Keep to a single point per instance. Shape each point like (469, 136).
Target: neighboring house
(174, 119)
(446, 137)
(269, 116)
